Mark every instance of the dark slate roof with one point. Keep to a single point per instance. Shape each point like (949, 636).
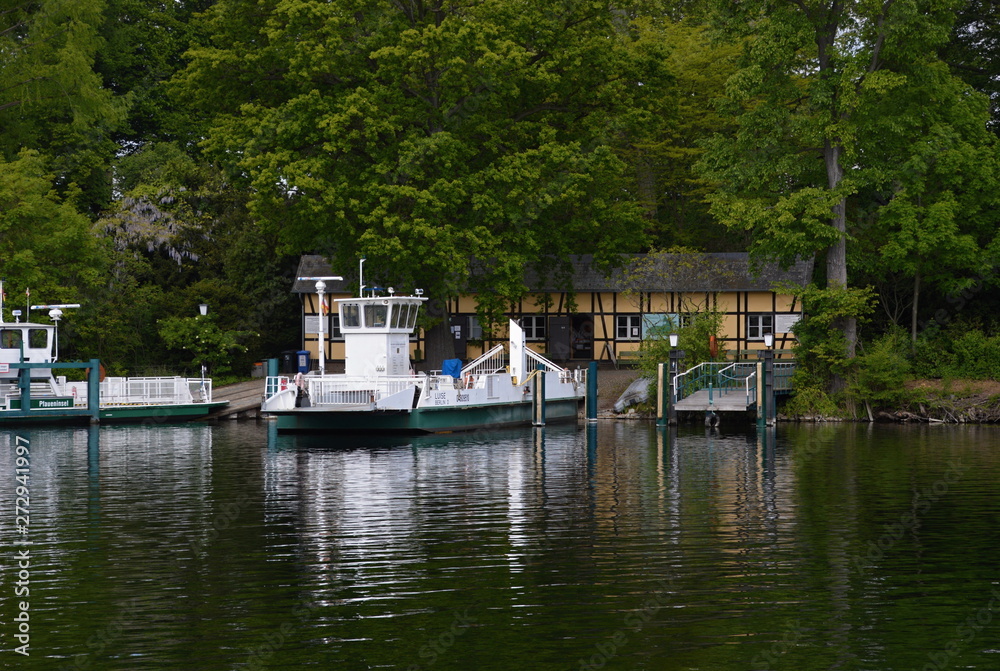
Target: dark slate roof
(640, 272)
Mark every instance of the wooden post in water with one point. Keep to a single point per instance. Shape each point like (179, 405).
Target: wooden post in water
(538, 400)
(664, 389)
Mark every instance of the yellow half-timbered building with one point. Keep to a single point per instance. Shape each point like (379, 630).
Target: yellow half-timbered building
(591, 315)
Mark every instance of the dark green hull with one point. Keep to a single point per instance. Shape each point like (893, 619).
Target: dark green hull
(424, 420)
(156, 414)
(152, 414)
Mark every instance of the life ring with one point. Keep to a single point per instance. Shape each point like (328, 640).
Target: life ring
(470, 382)
(299, 381)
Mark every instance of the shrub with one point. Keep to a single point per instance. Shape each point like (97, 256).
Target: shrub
(881, 372)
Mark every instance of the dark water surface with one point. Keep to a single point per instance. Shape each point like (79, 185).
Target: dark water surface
(618, 547)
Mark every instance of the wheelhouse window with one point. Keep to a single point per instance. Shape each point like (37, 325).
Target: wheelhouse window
(38, 338)
(351, 313)
(10, 339)
(628, 327)
(376, 315)
(534, 327)
(759, 325)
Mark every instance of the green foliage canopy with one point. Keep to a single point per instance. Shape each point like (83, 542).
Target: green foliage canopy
(425, 135)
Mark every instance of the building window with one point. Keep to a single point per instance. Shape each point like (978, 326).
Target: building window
(628, 327)
(758, 325)
(534, 327)
(475, 331)
(335, 332)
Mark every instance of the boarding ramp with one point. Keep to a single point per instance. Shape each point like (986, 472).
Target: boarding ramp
(725, 386)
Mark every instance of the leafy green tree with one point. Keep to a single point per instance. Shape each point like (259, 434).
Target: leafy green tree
(52, 101)
(973, 50)
(45, 242)
(425, 135)
(812, 76)
(180, 227)
(931, 217)
(143, 43)
(664, 155)
(202, 339)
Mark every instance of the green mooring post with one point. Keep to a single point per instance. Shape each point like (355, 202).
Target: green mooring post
(591, 400)
(538, 400)
(94, 390)
(272, 368)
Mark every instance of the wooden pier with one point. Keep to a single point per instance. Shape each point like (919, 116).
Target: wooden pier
(244, 400)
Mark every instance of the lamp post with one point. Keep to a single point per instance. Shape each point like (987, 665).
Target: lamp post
(320, 291)
(666, 410)
(770, 411)
(203, 310)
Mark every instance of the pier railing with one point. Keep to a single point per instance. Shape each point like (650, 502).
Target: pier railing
(720, 377)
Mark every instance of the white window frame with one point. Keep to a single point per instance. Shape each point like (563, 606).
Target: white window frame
(475, 329)
(759, 324)
(534, 327)
(628, 328)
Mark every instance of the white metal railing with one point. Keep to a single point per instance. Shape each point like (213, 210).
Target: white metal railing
(540, 360)
(361, 390)
(751, 388)
(149, 391)
(488, 363)
(718, 376)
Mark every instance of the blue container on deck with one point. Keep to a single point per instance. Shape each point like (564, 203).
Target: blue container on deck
(304, 363)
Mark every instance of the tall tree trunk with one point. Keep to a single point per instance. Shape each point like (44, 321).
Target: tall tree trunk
(646, 179)
(913, 312)
(836, 255)
(438, 339)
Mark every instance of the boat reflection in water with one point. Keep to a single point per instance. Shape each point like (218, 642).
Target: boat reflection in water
(620, 545)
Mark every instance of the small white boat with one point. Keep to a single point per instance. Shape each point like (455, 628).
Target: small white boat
(379, 392)
(28, 357)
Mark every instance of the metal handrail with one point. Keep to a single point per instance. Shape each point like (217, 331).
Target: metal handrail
(704, 376)
(487, 363)
(539, 359)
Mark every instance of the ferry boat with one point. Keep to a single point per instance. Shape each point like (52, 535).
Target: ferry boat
(379, 392)
(31, 393)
